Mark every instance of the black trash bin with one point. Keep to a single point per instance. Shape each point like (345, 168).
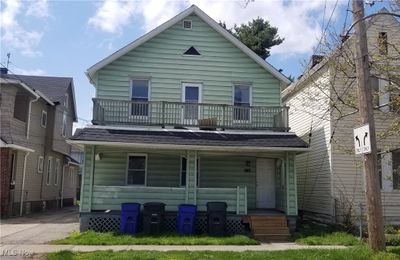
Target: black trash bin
(153, 217)
(216, 218)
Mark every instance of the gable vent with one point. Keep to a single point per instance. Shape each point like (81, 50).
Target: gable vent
(187, 24)
(191, 51)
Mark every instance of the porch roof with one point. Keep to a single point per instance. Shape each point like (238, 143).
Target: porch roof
(181, 139)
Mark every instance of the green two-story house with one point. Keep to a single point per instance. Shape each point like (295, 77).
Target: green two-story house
(189, 114)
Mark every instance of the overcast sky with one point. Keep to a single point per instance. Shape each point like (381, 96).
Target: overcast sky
(64, 38)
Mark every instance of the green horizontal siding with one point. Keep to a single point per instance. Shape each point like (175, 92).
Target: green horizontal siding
(108, 197)
(291, 186)
(86, 179)
(161, 59)
(163, 170)
(205, 195)
(229, 172)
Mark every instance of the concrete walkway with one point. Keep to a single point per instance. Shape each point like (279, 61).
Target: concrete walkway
(41, 249)
(39, 228)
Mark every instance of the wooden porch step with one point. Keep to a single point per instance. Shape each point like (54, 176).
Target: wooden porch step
(269, 228)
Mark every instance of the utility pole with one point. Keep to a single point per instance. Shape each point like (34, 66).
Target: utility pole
(376, 237)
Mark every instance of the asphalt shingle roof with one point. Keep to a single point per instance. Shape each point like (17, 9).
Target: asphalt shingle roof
(184, 137)
(53, 88)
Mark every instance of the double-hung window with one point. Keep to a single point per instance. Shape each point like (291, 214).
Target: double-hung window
(48, 170)
(40, 164)
(137, 168)
(396, 169)
(56, 171)
(140, 97)
(43, 120)
(241, 102)
(64, 125)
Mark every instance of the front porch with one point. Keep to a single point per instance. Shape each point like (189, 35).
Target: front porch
(247, 171)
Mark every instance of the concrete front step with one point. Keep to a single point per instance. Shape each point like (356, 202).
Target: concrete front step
(272, 237)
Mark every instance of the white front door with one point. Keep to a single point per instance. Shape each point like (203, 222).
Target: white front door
(265, 183)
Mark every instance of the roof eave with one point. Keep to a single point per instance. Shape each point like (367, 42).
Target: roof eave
(190, 147)
(36, 93)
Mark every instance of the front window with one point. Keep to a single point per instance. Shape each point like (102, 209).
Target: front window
(56, 171)
(241, 111)
(21, 106)
(48, 171)
(184, 171)
(64, 125)
(137, 167)
(43, 121)
(396, 169)
(40, 164)
(140, 97)
(383, 43)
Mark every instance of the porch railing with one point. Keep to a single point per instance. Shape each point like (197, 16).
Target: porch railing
(235, 198)
(202, 115)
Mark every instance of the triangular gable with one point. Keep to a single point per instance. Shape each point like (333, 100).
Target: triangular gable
(203, 16)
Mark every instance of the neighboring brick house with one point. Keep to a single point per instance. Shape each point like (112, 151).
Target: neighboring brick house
(37, 114)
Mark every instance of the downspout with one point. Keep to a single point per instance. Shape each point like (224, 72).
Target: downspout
(28, 126)
(23, 185)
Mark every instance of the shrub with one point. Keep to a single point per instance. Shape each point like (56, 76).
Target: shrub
(392, 240)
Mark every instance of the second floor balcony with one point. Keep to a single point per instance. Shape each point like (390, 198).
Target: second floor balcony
(186, 114)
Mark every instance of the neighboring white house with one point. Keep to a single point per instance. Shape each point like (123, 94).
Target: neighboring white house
(323, 111)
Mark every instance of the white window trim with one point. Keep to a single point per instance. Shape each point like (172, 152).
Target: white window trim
(41, 119)
(56, 171)
(64, 128)
(183, 24)
(48, 171)
(197, 173)
(145, 169)
(250, 100)
(148, 97)
(40, 158)
(200, 87)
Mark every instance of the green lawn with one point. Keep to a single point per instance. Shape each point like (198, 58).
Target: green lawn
(356, 253)
(314, 234)
(96, 238)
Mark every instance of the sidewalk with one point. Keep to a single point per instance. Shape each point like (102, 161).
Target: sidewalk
(40, 249)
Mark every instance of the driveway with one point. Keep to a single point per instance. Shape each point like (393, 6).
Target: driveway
(39, 228)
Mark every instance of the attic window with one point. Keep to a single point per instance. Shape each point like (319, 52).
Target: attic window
(191, 51)
(187, 24)
(382, 43)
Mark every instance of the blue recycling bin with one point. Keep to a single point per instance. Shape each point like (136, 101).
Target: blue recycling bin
(129, 218)
(186, 218)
